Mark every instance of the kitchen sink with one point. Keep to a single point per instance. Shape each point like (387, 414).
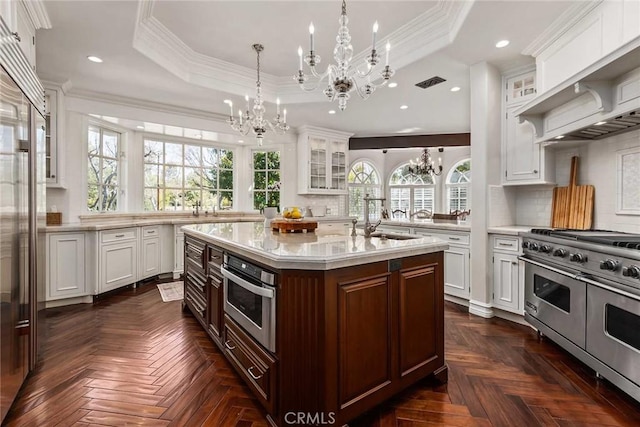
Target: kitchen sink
(394, 236)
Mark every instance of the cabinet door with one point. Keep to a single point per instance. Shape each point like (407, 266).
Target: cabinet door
(118, 265)
(179, 255)
(317, 163)
(66, 269)
(521, 88)
(150, 257)
(506, 285)
(522, 159)
(456, 271)
(420, 299)
(338, 165)
(27, 34)
(216, 307)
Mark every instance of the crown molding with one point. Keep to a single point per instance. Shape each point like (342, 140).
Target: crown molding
(37, 13)
(420, 37)
(570, 17)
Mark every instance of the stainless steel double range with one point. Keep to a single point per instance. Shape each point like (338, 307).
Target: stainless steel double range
(582, 290)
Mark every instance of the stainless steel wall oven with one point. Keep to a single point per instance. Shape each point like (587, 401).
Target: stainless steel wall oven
(250, 299)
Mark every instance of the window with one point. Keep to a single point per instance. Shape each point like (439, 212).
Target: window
(411, 192)
(363, 179)
(458, 181)
(103, 180)
(266, 179)
(177, 176)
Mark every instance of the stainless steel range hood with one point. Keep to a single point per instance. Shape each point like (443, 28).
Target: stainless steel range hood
(600, 101)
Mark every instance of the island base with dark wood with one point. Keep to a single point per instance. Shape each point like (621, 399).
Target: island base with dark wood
(346, 339)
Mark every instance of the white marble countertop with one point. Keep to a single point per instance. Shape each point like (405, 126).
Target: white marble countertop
(324, 249)
(113, 224)
(510, 230)
(427, 223)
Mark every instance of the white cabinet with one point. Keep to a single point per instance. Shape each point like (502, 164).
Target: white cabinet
(118, 264)
(508, 279)
(178, 267)
(322, 161)
(26, 34)
(66, 266)
(54, 109)
(457, 280)
(523, 161)
(150, 252)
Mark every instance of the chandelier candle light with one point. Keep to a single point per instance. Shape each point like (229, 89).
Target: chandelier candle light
(256, 121)
(343, 77)
(424, 165)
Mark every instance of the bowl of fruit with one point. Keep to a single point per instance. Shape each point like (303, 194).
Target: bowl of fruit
(293, 213)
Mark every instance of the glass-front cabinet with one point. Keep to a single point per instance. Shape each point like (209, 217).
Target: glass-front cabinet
(322, 161)
(53, 105)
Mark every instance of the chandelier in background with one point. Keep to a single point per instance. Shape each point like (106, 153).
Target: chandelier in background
(343, 77)
(254, 120)
(423, 165)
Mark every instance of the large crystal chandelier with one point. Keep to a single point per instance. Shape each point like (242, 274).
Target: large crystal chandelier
(256, 121)
(343, 77)
(423, 165)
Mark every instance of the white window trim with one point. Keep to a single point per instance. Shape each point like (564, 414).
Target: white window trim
(265, 149)
(411, 188)
(449, 184)
(380, 184)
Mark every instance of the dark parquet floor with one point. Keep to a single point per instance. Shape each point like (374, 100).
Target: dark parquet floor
(131, 359)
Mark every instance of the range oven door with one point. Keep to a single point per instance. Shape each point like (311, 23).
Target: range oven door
(613, 329)
(252, 306)
(555, 298)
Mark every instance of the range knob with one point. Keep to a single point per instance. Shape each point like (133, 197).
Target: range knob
(525, 245)
(632, 271)
(578, 257)
(609, 265)
(560, 253)
(533, 246)
(545, 249)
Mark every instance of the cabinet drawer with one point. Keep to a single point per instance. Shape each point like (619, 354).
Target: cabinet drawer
(196, 306)
(255, 365)
(118, 235)
(506, 243)
(454, 239)
(194, 250)
(214, 257)
(151, 231)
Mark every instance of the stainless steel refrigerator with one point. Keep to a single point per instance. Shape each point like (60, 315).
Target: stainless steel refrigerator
(22, 217)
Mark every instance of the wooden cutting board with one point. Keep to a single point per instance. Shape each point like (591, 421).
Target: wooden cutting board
(293, 226)
(572, 206)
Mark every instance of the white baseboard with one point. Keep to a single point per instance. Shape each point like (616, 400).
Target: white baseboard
(481, 309)
(69, 301)
(456, 300)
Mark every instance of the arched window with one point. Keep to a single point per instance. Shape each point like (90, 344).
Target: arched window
(363, 179)
(458, 182)
(411, 192)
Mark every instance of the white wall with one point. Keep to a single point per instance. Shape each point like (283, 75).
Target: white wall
(597, 166)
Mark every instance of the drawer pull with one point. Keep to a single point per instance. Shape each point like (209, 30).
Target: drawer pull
(119, 235)
(514, 263)
(229, 346)
(454, 238)
(505, 244)
(151, 231)
(254, 376)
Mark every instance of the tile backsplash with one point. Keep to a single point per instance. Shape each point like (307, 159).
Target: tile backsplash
(336, 205)
(597, 166)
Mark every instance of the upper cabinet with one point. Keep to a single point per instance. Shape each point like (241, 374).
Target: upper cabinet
(523, 160)
(54, 110)
(322, 161)
(23, 18)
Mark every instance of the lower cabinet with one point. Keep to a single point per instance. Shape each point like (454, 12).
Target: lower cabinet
(178, 267)
(216, 293)
(255, 366)
(66, 266)
(195, 279)
(150, 252)
(118, 264)
(508, 280)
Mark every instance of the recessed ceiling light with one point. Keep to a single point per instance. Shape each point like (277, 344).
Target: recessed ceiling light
(502, 43)
(559, 136)
(94, 59)
(393, 84)
(332, 111)
(455, 89)
(240, 140)
(601, 123)
(140, 127)
(404, 107)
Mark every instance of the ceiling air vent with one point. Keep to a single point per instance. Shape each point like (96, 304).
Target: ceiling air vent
(431, 82)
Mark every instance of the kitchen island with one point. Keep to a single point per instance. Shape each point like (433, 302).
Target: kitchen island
(356, 320)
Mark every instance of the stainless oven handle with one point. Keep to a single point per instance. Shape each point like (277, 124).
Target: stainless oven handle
(547, 267)
(590, 281)
(258, 290)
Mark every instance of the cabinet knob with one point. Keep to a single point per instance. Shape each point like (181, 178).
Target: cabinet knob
(535, 171)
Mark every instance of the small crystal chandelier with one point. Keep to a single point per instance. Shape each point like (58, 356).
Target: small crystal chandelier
(256, 122)
(343, 77)
(423, 165)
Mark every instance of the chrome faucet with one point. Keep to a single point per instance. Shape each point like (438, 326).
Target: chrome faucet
(368, 227)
